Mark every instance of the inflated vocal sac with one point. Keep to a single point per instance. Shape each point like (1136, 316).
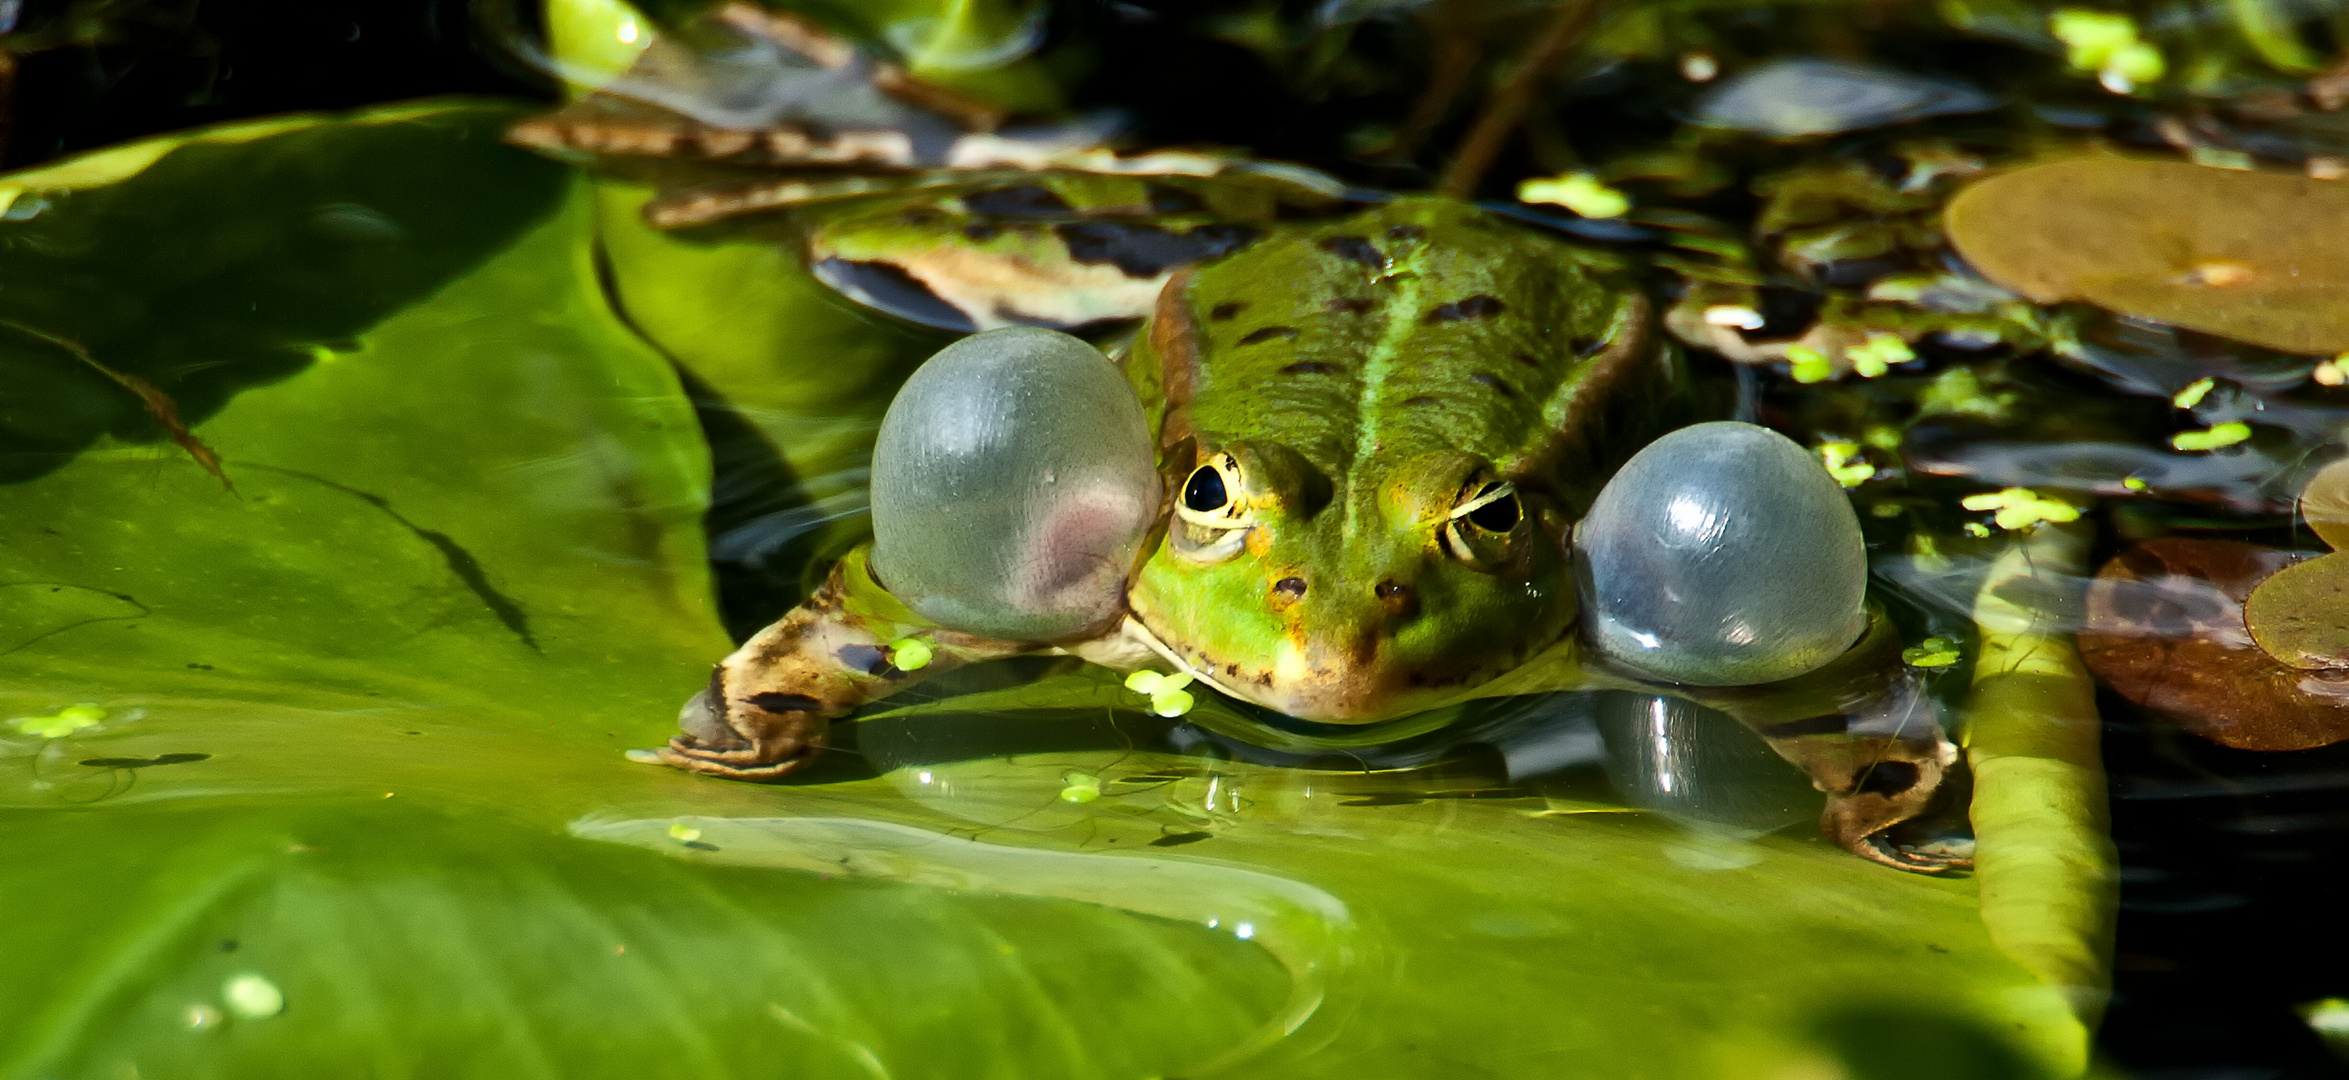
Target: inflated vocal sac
(1013, 484)
(1721, 555)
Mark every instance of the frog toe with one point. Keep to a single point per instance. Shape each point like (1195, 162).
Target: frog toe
(757, 761)
(1935, 859)
(750, 742)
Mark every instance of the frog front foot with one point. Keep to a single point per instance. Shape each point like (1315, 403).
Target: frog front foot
(1874, 811)
(769, 705)
(713, 738)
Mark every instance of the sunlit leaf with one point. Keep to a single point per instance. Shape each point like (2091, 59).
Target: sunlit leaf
(360, 750)
(2301, 614)
(2247, 255)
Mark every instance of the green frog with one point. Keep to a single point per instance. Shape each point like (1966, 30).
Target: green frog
(1363, 462)
(1377, 435)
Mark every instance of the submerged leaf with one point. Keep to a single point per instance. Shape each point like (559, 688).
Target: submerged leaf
(2168, 633)
(2248, 255)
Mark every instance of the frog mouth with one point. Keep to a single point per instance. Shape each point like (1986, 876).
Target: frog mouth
(1325, 699)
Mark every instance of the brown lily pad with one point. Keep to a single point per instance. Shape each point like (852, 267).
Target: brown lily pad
(2166, 631)
(2301, 615)
(2253, 256)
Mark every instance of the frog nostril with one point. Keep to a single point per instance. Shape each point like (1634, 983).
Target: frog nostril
(1396, 597)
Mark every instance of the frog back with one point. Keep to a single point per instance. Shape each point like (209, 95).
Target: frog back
(1421, 326)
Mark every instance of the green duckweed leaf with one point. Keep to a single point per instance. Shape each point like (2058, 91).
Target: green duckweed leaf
(393, 672)
(2246, 255)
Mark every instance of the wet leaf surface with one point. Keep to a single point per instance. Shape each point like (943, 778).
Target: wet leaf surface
(355, 731)
(2246, 255)
(2167, 631)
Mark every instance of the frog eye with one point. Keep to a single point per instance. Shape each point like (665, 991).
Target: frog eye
(1477, 531)
(1212, 516)
(1014, 481)
(1721, 555)
(1494, 508)
(1205, 492)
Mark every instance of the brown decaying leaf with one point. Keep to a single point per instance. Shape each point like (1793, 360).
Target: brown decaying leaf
(159, 404)
(2249, 255)
(2170, 636)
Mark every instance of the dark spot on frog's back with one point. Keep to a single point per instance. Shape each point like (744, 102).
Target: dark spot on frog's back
(1355, 249)
(1492, 381)
(1268, 333)
(1479, 306)
(1146, 251)
(979, 232)
(888, 287)
(1347, 305)
(1018, 200)
(1224, 312)
(1423, 399)
(1405, 232)
(1309, 367)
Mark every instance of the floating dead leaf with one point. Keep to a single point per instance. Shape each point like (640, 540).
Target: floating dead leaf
(2166, 631)
(2301, 615)
(2249, 255)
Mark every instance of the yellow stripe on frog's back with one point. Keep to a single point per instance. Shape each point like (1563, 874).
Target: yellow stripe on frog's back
(1418, 326)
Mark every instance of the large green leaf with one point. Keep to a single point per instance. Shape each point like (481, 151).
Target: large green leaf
(363, 718)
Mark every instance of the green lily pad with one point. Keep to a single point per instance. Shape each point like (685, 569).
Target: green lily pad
(2246, 255)
(354, 791)
(2300, 615)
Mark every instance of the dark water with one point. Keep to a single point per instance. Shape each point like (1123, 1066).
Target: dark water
(2230, 909)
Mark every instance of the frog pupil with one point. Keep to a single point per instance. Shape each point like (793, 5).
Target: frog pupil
(1204, 492)
(1499, 515)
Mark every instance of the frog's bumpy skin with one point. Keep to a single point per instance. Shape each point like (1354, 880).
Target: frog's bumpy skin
(1722, 555)
(1013, 483)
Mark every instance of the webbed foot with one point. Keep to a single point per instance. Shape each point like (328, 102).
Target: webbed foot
(768, 706)
(1868, 806)
(711, 740)
(1879, 848)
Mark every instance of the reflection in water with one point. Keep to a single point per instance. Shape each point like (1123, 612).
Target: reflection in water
(1307, 929)
(1696, 765)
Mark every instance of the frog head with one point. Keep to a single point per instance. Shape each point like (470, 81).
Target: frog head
(1352, 600)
